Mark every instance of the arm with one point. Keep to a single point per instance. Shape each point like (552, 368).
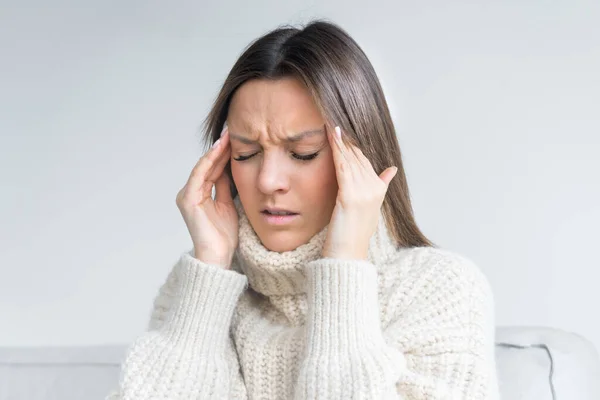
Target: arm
(187, 352)
(346, 356)
(447, 331)
(441, 349)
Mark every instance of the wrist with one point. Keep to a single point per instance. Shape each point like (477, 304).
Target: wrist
(354, 253)
(209, 257)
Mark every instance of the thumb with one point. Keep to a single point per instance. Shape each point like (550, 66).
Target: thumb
(388, 174)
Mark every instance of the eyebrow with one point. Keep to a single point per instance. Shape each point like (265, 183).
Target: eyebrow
(290, 139)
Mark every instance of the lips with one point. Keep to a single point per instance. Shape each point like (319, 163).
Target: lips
(278, 211)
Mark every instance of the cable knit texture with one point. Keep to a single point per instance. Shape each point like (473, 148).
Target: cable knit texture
(408, 323)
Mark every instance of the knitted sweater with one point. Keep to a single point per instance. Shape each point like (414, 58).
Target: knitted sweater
(408, 323)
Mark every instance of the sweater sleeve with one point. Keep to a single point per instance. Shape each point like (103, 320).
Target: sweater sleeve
(187, 351)
(350, 355)
(444, 324)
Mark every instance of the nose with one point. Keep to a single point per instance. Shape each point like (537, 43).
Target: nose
(273, 177)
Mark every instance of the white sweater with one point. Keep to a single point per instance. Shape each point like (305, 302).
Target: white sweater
(411, 323)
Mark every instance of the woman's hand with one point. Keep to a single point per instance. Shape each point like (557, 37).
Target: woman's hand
(213, 224)
(360, 196)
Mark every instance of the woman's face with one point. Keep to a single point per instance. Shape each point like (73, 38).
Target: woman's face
(280, 158)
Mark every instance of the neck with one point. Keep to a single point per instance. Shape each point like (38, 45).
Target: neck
(274, 274)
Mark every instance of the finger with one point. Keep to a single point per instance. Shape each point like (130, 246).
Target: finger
(223, 189)
(219, 165)
(339, 151)
(389, 174)
(360, 160)
(214, 175)
(339, 141)
(358, 164)
(335, 149)
(207, 162)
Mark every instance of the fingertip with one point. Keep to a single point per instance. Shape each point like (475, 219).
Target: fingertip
(224, 130)
(330, 133)
(337, 138)
(393, 175)
(388, 174)
(338, 132)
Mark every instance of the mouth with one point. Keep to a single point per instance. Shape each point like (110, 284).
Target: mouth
(278, 212)
(279, 217)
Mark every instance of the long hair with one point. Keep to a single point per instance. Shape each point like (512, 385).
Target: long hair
(347, 92)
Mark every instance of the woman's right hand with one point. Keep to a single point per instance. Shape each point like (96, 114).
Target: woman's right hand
(213, 224)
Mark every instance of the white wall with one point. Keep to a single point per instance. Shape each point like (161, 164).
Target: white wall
(497, 106)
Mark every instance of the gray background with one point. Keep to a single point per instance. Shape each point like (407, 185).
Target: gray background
(496, 103)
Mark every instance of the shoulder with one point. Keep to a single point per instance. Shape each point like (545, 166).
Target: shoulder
(433, 286)
(428, 272)
(424, 260)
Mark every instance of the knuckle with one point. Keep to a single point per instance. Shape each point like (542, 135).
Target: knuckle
(208, 161)
(185, 200)
(196, 170)
(180, 196)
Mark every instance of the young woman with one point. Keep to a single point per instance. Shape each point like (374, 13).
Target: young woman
(309, 278)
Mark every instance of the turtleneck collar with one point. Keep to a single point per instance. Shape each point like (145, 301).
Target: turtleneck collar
(277, 274)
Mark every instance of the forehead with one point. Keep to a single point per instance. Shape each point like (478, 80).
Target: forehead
(280, 104)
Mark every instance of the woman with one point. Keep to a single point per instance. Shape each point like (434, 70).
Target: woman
(309, 277)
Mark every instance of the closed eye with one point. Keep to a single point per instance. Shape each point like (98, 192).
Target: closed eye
(306, 157)
(301, 157)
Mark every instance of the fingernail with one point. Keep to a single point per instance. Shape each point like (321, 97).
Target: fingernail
(338, 132)
(215, 144)
(224, 129)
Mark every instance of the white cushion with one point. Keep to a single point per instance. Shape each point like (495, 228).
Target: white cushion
(531, 361)
(523, 373)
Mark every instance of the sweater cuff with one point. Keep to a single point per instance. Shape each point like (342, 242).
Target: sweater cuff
(343, 305)
(206, 298)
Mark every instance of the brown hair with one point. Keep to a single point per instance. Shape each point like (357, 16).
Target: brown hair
(346, 90)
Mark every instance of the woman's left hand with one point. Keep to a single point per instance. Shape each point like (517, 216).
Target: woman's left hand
(360, 196)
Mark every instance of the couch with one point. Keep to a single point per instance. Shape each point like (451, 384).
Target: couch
(533, 363)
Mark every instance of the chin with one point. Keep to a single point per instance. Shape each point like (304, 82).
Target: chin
(282, 241)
